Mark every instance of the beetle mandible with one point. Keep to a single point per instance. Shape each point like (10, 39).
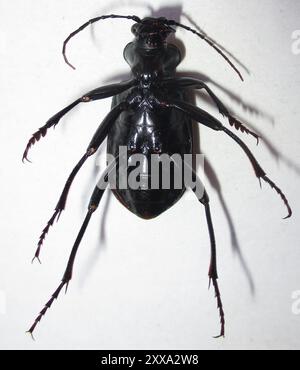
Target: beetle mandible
(151, 113)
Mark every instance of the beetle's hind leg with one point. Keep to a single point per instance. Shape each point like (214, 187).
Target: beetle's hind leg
(212, 272)
(93, 205)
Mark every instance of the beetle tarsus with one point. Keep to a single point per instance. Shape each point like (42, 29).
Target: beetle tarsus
(281, 194)
(220, 308)
(44, 233)
(36, 257)
(241, 127)
(29, 332)
(35, 137)
(45, 308)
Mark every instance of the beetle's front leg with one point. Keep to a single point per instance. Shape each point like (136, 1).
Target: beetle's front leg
(95, 143)
(189, 82)
(208, 120)
(99, 93)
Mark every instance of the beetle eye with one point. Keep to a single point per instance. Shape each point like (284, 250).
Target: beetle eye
(134, 29)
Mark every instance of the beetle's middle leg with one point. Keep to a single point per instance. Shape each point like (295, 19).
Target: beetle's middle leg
(189, 82)
(96, 141)
(208, 120)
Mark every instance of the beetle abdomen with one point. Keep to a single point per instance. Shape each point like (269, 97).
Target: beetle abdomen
(148, 204)
(147, 132)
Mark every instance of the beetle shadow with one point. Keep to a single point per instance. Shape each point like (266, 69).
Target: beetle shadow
(222, 48)
(251, 110)
(247, 107)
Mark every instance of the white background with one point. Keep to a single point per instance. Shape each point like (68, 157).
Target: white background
(143, 284)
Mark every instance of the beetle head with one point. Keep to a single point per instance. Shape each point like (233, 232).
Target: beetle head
(151, 33)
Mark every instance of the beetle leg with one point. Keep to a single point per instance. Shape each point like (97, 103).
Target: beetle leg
(202, 196)
(60, 205)
(212, 273)
(99, 93)
(206, 119)
(96, 141)
(67, 276)
(189, 82)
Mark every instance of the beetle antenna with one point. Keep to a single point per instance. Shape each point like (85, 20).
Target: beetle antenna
(91, 21)
(204, 37)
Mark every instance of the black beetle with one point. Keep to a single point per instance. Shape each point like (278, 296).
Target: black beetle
(151, 113)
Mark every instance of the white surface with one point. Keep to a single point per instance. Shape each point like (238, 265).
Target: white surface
(143, 285)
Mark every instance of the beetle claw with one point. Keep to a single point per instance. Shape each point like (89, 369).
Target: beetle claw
(29, 332)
